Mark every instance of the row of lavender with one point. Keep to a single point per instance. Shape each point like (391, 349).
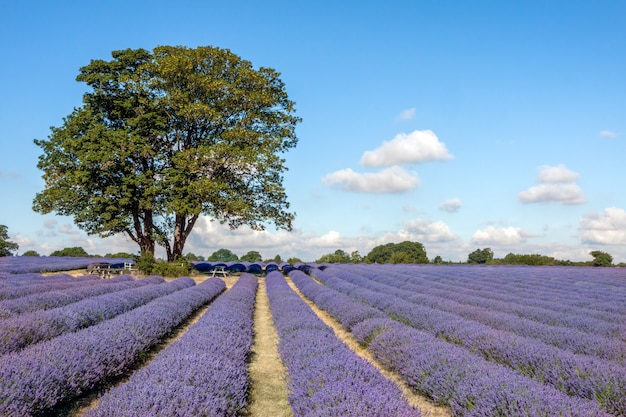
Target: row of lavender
(46, 374)
(573, 374)
(449, 374)
(80, 290)
(475, 286)
(204, 373)
(596, 290)
(326, 378)
(564, 326)
(21, 285)
(34, 264)
(28, 328)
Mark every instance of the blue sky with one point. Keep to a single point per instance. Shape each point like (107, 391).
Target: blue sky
(461, 125)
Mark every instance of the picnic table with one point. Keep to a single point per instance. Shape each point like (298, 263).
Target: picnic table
(105, 270)
(219, 270)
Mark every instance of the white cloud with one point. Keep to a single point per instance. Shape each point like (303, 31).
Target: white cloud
(390, 180)
(557, 173)
(451, 205)
(608, 134)
(426, 231)
(608, 228)
(569, 194)
(407, 114)
(414, 147)
(502, 236)
(557, 185)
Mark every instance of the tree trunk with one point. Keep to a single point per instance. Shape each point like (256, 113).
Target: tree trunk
(142, 234)
(183, 228)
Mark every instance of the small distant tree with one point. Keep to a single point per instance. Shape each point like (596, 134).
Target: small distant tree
(293, 260)
(76, 251)
(480, 256)
(193, 257)
(120, 255)
(6, 246)
(437, 260)
(223, 255)
(251, 256)
(338, 257)
(355, 257)
(30, 253)
(601, 258)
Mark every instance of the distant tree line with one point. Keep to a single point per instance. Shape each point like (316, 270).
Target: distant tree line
(406, 252)
(391, 253)
(485, 256)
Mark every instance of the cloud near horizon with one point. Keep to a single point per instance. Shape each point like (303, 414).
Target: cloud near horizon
(394, 179)
(608, 228)
(407, 148)
(500, 236)
(557, 184)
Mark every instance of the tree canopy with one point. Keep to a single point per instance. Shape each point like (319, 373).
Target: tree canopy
(480, 256)
(251, 256)
(341, 257)
(7, 247)
(223, 255)
(76, 251)
(405, 252)
(165, 136)
(601, 258)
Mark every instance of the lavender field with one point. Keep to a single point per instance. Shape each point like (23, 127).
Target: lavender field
(474, 340)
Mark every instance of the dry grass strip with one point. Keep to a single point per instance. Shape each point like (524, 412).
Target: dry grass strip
(268, 388)
(426, 406)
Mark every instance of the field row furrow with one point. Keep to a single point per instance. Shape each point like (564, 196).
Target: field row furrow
(535, 286)
(447, 373)
(53, 299)
(570, 339)
(326, 378)
(502, 294)
(41, 376)
(576, 375)
(30, 328)
(16, 286)
(204, 373)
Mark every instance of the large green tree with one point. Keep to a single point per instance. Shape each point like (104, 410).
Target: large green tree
(165, 136)
(601, 258)
(480, 256)
(6, 246)
(398, 253)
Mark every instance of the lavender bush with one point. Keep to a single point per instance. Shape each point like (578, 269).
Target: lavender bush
(37, 326)
(15, 286)
(204, 373)
(25, 264)
(573, 374)
(53, 299)
(443, 371)
(566, 338)
(326, 378)
(41, 376)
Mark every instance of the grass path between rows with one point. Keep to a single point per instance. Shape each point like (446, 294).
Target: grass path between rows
(426, 406)
(268, 391)
(268, 376)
